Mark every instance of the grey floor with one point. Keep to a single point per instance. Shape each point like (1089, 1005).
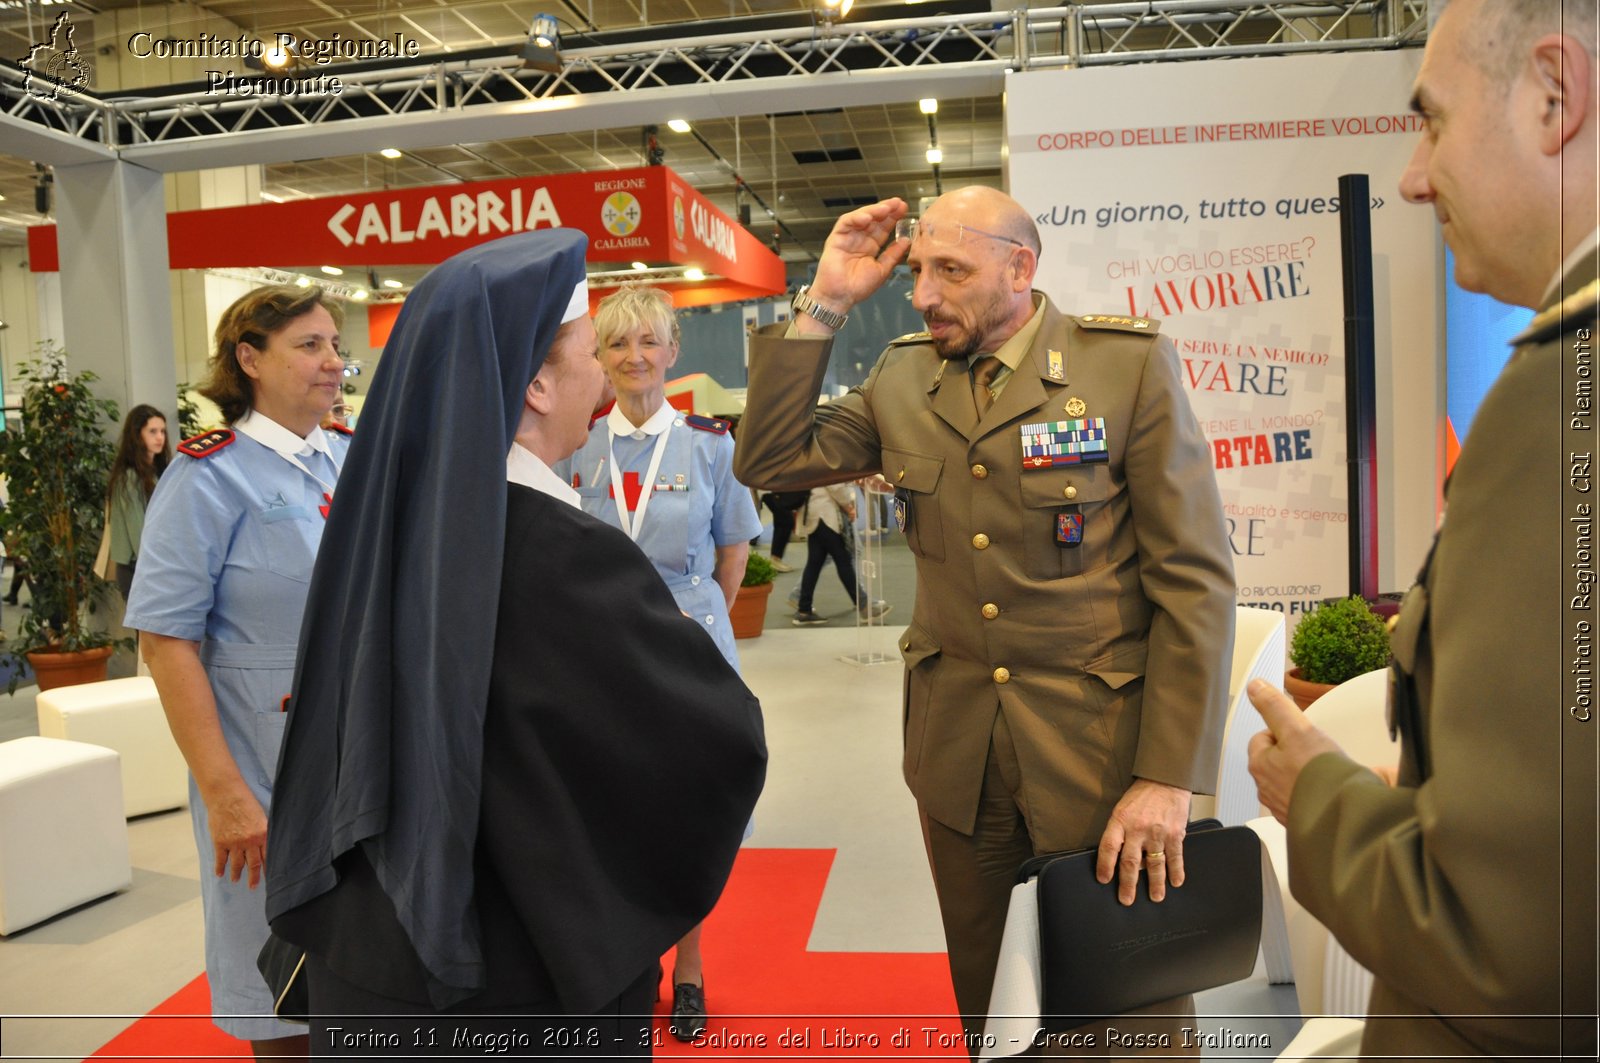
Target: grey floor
(68, 985)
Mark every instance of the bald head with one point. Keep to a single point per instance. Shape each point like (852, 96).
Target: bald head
(988, 209)
(1501, 32)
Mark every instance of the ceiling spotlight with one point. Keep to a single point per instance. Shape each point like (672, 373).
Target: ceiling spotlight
(359, 294)
(276, 57)
(640, 266)
(835, 9)
(333, 271)
(302, 281)
(543, 48)
(694, 273)
(392, 283)
(677, 125)
(935, 156)
(929, 106)
(391, 153)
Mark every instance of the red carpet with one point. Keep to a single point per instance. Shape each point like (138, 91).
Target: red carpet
(767, 994)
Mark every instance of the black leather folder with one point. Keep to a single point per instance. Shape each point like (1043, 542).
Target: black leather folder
(1100, 959)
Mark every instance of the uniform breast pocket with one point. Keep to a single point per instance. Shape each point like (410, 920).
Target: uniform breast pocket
(916, 480)
(1063, 510)
(289, 536)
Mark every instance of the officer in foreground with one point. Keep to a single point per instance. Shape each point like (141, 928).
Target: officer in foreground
(1468, 888)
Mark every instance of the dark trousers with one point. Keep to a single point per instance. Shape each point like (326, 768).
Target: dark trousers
(782, 517)
(973, 875)
(822, 544)
(352, 1022)
(124, 579)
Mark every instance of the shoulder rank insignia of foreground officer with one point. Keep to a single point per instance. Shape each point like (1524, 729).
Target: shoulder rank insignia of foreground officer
(707, 424)
(1121, 324)
(206, 444)
(911, 337)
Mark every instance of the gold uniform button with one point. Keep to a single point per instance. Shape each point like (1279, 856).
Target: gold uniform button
(990, 610)
(1002, 675)
(979, 472)
(980, 541)
(1070, 491)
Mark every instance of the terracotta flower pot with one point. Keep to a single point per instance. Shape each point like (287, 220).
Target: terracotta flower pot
(69, 669)
(749, 612)
(1303, 691)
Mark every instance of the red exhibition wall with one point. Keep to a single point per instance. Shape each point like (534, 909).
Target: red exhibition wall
(647, 214)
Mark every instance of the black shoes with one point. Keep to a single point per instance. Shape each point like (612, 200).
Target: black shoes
(688, 1011)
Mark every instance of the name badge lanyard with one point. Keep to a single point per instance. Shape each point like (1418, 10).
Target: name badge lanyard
(647, 490)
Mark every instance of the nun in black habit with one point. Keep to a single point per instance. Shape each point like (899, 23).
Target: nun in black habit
(472, 816)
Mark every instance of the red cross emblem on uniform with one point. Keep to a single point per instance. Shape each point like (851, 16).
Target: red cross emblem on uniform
(631, 489)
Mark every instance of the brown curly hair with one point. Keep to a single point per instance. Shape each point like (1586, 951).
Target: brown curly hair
(252, 319)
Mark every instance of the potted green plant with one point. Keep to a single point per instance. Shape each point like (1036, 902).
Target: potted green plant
(56, 462)
(749, 612)
(1335, 642)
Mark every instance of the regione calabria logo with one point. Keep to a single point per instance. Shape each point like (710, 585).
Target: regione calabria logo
(56, 67)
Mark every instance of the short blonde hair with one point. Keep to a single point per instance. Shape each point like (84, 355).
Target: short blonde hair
(252, 319)
(635, 306)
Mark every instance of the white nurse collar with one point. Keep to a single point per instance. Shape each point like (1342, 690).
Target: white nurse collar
(657, 423)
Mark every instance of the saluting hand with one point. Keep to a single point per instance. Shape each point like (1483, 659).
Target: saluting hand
(1288, 745)
(855, 261)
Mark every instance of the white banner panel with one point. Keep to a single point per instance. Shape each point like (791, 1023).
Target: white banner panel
(1206, 195)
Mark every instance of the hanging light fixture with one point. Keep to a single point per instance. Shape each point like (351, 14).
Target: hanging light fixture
(543, 48)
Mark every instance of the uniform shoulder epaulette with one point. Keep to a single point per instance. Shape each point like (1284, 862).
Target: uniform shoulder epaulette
(911, 337)
(1119, 324)
(206, 443)
(1575, 309)
(343, 430)
(715, 425)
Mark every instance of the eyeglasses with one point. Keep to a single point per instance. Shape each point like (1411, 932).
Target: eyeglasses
(949, 232)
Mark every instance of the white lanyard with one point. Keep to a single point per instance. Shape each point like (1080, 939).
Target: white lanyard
(647, 489)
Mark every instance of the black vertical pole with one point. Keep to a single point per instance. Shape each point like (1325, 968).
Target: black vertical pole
(1360, 390)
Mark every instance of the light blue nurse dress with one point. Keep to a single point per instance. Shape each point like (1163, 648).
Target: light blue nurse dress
(696, 507)
(229, 541)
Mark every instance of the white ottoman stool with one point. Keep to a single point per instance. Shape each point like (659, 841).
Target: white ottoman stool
(63, 838)
(124, 715)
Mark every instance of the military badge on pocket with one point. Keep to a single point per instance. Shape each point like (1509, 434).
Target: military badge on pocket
(1069, 528)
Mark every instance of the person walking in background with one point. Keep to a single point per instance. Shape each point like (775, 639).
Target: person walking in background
(218, 595)
(1467, 888)
(142, 456)
(666, 479)
(826, 519)
(784, 506)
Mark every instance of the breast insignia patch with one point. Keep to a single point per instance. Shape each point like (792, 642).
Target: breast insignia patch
(206, 444)
(715, 425)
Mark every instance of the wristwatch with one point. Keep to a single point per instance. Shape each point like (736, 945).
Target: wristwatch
(804, 304)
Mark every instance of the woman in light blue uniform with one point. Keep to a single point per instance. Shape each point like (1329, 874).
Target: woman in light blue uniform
(224, 565)
(694, 522)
